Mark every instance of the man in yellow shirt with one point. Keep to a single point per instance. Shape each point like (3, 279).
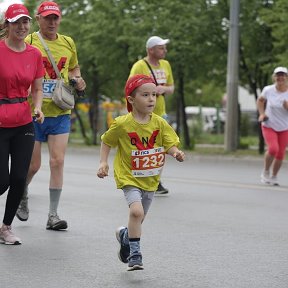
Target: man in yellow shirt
(160, 70)
(56, 126)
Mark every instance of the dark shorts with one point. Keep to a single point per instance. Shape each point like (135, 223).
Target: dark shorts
(52, 126)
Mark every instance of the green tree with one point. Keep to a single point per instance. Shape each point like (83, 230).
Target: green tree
(110, 36)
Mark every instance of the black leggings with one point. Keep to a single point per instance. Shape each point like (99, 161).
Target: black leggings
(18, 142)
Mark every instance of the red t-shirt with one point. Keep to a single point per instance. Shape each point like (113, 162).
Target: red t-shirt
(18, 70)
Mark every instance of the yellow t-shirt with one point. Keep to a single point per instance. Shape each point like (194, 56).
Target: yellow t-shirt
(141, 150)
(163, 75)
(64, 52)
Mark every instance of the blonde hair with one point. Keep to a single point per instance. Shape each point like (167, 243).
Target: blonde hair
(3, 29)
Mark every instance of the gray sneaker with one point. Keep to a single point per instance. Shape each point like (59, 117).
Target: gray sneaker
(23, 210)
(124, 249)
(135, 262)
(55, 223)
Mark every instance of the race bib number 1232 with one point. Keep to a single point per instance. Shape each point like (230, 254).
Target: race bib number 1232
(148, 162)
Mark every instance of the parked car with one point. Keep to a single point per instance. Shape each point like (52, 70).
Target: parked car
(207, 117)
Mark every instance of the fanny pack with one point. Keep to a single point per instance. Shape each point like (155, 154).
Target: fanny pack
(12, 100)
(63, 95)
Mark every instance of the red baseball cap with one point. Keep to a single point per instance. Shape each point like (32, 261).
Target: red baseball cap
(134, 82)
(48, 7)
(15, 12)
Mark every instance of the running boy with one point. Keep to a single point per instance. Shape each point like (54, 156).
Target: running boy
(142, 138)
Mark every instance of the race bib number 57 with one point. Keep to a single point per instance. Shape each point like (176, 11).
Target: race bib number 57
(148, 162)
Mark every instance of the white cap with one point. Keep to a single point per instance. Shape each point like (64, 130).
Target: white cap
(280, 69)
(155, 40)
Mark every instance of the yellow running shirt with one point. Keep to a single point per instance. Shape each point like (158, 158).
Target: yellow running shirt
(64, 52)
(141, 150)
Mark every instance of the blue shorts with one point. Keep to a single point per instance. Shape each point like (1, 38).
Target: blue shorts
(52, 126)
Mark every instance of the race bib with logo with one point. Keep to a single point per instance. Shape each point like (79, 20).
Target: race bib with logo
(147, 162)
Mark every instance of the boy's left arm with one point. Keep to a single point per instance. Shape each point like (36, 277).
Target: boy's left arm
(176, 153)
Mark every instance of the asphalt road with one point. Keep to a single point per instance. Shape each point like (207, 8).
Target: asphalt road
(218, 227)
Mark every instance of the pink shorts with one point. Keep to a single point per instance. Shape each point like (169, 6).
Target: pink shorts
(276, 141)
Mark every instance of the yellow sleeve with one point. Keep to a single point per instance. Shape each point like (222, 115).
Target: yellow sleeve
(170, 80)
(140, 67)
(111, 136)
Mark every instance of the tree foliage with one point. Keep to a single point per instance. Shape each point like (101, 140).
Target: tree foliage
(111, 34)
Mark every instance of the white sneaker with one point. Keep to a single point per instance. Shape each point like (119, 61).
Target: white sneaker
(7, 237)
(274, 181)
(265, 178)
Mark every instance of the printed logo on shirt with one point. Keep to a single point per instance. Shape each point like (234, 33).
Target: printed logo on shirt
(143, 143)
(160, 76)
(49, 68)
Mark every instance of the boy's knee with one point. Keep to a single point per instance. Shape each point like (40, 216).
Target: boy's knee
(136, 211)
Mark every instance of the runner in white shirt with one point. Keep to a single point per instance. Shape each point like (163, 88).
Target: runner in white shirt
(273, 113)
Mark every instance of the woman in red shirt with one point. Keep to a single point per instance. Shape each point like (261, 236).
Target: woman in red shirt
(21, 71)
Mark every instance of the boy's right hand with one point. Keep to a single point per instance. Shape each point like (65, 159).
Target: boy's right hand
(179, 156)
(103, 170)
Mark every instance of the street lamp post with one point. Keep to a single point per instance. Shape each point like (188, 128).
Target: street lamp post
(231, 124)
